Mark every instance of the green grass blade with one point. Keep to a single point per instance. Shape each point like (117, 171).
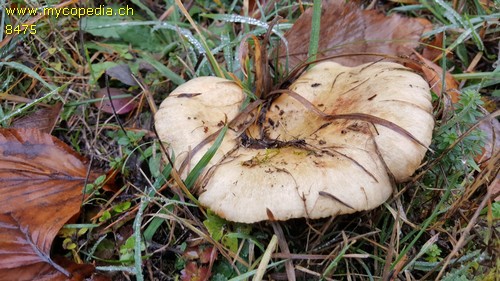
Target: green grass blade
(246, 20)
(431, 8)
(28, 71)
(176, 79)
(475, 37)
(246, 236)
(138, 240)
(477, 75)
(213, 62)
(335, 262)
(248, 274)
(315, 29)
(464, 36)
(198, 168)
(451, 14)
(144, 8)
(117, 268)
(30, 105)
(2, 20)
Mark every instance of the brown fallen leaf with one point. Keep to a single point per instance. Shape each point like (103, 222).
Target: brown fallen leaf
(121, 105)
(433, 73)
(491, 149)
(78, 271)
(491, 130)
(194, 272)
(43, 119)
(41, 184)
(346, 28)
(433, 50)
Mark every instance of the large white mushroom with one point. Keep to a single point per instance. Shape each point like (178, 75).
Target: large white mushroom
(328, 145)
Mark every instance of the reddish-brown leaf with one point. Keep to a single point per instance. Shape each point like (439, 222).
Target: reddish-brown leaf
(122, 105)
(434, 76)
(43, 119)
(41, 183)
(193, 272)
(203, 254)
(433, 50)
(346, 28)
(207, 254)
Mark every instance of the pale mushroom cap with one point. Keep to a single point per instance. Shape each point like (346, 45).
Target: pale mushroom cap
(194, 111)
(386, 90)
(245, 187)
(323, 167)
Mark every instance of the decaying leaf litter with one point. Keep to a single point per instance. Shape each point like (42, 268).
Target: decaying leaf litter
(185, 222)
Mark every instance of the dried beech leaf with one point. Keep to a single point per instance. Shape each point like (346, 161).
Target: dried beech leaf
(41, 183)
(43, 119)
(121, 105)
(346, 28)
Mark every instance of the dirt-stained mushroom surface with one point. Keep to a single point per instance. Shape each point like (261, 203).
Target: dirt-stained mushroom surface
(328, 145)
